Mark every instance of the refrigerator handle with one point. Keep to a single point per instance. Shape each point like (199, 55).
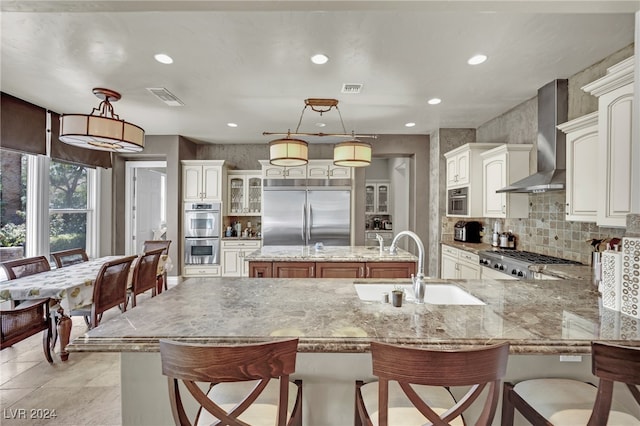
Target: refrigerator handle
(304, 224)
(309, 223)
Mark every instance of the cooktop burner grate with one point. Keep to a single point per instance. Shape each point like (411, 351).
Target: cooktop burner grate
(533, 258)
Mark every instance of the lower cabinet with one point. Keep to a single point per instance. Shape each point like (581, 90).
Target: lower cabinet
(233, 253)
(331, 269)
(293, 269)
(201, 271)
(459, 264)
(261, 269)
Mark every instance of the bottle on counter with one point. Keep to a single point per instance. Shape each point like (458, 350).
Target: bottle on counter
(238, 229)
(511, 240)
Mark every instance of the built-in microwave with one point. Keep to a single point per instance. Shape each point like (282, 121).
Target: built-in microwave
(458, 202)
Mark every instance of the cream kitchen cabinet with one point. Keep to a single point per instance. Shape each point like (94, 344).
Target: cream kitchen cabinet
(377, 196)
(615, 140)
(233, 254)
(244, 194)
(464, 169)
(201, 270)
(459, 264)
(502, 166)
(279, 172)
(582, 168)
(463, 163)
(325, 169)
(202, 180)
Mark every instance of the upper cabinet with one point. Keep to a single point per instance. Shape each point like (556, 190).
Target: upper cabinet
(464, 169)
(501, 167)
(202, 180)
(377, 197)
(582, 163)
(325, 169)
(315, 169)
(279, 172)
(615, 117)
(244, 193)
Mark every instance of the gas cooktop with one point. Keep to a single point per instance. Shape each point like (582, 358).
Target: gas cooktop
(517, 262)
(529, 257)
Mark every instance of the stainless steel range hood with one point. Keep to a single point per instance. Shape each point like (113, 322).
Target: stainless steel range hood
(551, 148)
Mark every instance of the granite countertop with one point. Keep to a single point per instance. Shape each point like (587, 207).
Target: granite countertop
(562, 271)
(536, 317)
(328, 254)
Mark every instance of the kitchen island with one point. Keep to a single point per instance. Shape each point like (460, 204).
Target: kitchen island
(541, 320)
(330, 262)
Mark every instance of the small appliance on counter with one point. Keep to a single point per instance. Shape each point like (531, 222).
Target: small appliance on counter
(467, 231)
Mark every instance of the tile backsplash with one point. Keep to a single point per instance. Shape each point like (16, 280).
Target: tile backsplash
(546, 231)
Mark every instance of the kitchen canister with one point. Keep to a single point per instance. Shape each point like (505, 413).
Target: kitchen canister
(630, 293)
(611, 282)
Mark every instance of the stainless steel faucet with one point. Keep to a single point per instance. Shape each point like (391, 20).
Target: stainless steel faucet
(381, 242)
(418, 280)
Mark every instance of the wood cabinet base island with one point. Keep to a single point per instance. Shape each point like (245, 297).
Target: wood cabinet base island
(541, 319)
(330, 262)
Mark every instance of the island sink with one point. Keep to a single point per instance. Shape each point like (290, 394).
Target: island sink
(434, 294)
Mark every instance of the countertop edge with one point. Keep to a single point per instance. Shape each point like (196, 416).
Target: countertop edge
(343, 345)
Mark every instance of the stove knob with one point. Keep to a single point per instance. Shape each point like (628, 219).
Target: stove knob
(520, 274)
(514, 272)
(496, 266)
(501, 268)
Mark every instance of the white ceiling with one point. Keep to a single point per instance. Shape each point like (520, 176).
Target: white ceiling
(248, 61)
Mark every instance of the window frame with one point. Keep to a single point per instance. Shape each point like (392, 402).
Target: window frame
(38, 215)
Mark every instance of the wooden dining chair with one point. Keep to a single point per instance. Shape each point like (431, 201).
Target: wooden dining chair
(69, 257)
(145, 274)
(27, 319)
(414, 385)
(238, 388)
(109, 290)
(25, 266)
(557, 401)
(153, 245)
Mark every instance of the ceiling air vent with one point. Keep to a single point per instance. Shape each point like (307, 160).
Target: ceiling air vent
(165, 96)
(351, 88)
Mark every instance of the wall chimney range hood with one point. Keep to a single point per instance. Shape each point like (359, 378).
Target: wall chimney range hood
(551, 147)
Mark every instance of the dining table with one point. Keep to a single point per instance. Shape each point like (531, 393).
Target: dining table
(71, 287)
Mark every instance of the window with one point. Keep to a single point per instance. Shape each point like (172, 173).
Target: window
(13, 204)
(45, 206)
(68, 206)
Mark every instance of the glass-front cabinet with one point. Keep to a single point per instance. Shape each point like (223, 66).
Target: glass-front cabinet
(245, 192)
(376, 197)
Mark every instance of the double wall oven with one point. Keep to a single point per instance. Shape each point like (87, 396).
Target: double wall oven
(202, 232)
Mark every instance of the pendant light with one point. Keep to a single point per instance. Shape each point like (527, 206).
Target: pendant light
(102, 129)
(291, 152)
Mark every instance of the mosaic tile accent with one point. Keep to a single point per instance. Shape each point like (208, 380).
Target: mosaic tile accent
(546, 231)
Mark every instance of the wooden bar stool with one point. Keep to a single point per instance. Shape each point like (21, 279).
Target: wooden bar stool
(237, 382)
(413, 385)
(557, 401)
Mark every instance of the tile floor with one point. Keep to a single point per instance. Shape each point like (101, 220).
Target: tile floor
(83, 391)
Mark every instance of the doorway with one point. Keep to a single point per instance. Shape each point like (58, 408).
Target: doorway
(145, 203)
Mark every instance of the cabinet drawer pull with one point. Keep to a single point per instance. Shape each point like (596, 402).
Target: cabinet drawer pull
(368, 273)
(362, 272)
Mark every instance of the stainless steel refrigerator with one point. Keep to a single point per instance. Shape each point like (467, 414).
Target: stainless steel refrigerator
(306, 212)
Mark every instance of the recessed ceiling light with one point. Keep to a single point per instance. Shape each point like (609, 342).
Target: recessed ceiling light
(434, 101)
(410, 124)
(232, 125)
(477, 59)
(320, 124)
(163, 58)
(319, 59)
